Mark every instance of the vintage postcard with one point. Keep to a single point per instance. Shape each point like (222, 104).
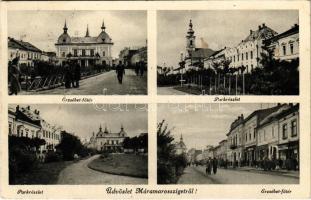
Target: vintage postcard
(155, 99)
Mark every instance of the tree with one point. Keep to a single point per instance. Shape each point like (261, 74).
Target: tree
(69, 145)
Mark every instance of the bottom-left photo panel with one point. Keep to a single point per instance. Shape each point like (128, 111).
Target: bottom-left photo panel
(78, 144)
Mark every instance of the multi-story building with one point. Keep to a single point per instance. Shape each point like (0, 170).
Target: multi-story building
(208, 152)
(85, 50)
(288, 145)
(25, 51)
(223, 149)
(285, 46)
(108, 141)
(236, 141)
(251, 152)
(24, 122)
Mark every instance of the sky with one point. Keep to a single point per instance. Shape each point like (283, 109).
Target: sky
(217, 28)
(203, 124)
(42, 28)
(83, 119)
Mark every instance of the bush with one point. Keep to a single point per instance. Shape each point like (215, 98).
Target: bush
(52, 156)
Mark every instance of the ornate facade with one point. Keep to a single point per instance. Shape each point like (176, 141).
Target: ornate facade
(86, 50)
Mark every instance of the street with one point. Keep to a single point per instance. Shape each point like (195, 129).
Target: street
(104, 84)
(79, 173)
(197, 175)
(170, 91)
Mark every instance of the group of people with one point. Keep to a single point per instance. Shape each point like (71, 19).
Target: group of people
(140, 68)
(72, 74)
(211, 166)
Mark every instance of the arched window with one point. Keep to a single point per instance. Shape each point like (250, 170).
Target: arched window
(104, 53)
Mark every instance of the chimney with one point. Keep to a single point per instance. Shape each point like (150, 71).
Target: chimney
(17, 108)
(291, 104)
(279, 104)
(242, 116)
(28, 107)
(38, 112)
(263, 25)
(250, 31)
(259, 27)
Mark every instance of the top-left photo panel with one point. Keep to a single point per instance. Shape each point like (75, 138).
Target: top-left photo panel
(77, 52)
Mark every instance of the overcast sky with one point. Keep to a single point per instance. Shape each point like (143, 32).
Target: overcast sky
(203, 124)
(217, 28)
(83, 119)
(42, 28)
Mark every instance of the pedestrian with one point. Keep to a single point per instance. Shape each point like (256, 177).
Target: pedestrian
(14, 74)
(77, 74)
(137, 68)
(67, 75)
(120, 71)
(208, 166)
(215, 163)
(141, 68)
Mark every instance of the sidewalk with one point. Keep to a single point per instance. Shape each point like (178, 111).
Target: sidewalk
(294, 174)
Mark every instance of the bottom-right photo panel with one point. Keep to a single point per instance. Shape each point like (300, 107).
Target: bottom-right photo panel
(228, 143)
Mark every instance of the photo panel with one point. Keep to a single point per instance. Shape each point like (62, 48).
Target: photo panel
(241, 143)
(228, 52)
(78, 144)
(80, 52)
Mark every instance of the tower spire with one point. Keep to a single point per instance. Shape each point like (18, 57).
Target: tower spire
(100, 127)
(103, 26)
(181, 139)
(87, 31)
(65, 27)
(190, 38)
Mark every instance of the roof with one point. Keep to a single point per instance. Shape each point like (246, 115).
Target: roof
(180, 145)
(263, 32)
(19, 44)
(83, 39)
(262, 113)
(29, 116)
(201, 53)
(291, 31)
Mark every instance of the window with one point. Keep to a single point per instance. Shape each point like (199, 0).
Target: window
(83, 52)
(238, 57)
(291, 48)
(191, 42)
(75, 52)
(294, 128)
(252, 67)
(63, 54)
(251, 54)
(245, 137)
(284, 50)
(284, 131)
(264, 135)
(104, 54)
(272, 132)
(242, 56)
(92, 52)
(246, 55)
(233, 58)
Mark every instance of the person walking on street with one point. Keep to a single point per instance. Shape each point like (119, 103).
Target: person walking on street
(208, 166)
(120, 71)
(77, 75)
(141, 68)
(67, 75)
(14, 74)
(215, 163)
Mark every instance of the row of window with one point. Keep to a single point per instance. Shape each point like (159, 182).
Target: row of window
(48, 134)
(242, 56)
(110, 142)
(83, 53)
(29, 55)
(291, 49)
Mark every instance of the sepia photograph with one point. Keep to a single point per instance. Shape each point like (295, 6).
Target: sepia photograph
(240, 143)
(228, 52)
(78, 144)
(77, 52)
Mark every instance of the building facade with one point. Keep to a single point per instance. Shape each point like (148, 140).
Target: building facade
(87, 50)
(26, 52)
(108, 141)
(180, 147)
(25, 122)
(285, 46)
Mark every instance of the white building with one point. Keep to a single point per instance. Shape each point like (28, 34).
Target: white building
(285, 46)
(86, 50)
(108, 141)
(180, 147)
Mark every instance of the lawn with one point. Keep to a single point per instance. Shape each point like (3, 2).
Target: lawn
(122, 164)
(44, 174)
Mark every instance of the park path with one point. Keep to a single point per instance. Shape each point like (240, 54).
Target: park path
(80, 174)
(170, 91)
(105, 84)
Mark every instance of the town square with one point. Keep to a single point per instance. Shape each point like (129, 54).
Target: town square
(204, 53)
(247, 143)
(78, 144)
(79, 53)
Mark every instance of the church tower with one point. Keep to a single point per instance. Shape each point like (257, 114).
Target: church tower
(87, 34)
(190, 38)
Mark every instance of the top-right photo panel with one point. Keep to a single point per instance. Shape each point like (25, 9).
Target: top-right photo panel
(228, 52)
